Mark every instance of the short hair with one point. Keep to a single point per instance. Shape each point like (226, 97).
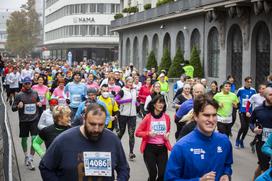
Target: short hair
(61, 80)
(59, 111)
(95, 109)
(230, 76)
(226, 82)
(248, 78)
(156, 98)
(201, 101)
(105, 85)
(40, 76)
(260, 85)
(214, 82)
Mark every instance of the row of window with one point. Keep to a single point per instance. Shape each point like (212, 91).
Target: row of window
(100, 8)
(3, 36)
(79, 30)
(50, 2)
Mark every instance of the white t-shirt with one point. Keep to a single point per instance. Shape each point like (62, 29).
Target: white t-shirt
(256, 100)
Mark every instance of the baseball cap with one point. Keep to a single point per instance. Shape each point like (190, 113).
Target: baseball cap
(26, 80)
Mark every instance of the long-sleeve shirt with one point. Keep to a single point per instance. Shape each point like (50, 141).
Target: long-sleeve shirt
(64, 160)
(196, 154)
(185, 108)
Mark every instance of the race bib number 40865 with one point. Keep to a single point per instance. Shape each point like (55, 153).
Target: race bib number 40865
(97, 164)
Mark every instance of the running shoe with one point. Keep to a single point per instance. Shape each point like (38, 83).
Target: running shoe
(242, 144)
(252, 147)
(30, 164)
(26, 161)
(132, 156)
(237, 143)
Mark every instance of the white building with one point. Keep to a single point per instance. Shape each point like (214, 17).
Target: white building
(3, 29)
(82, 27)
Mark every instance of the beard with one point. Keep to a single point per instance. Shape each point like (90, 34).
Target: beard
(91, 137)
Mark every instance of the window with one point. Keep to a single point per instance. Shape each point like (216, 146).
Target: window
(101, 30)
(77, 8)
(91, 30)
(83, 30)
(100, 8)
(84, 8)
(92, 8)
(213, 53)
(112, 8)
(72, 10)
(117, 8)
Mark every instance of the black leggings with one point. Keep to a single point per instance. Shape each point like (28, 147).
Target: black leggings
(224, 128)
(155, 157)
(131, 122)
(244, 126)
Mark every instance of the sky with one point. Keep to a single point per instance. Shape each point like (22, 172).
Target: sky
(11, 5)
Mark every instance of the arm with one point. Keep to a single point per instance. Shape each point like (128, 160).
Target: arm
(147, 101)
(15, 103)
(42, 121)
(80, 109)
(267, 147)
(228, 161)
(142, 130)
(122, 168)
(252, 121)
(247, 106)
(37, 146)
(119, 97)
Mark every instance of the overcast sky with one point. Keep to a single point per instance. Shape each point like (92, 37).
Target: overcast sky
(12, 5)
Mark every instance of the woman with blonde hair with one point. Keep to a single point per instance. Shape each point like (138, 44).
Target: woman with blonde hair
(61, 116)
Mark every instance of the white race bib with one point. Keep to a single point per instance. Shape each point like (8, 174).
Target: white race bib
(76, 99)
(97, 164)
(158, 127)
(30, 109)
(266, 133)
(244, 102)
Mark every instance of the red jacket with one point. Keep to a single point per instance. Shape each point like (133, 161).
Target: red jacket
(144, 128)
(143, 93)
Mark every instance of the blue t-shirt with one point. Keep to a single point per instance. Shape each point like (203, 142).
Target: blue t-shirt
(196, 154)
(64, 160)
(244, 94)
(77, 91)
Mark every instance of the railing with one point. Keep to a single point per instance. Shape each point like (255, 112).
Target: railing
(163, 10)
(7, 140)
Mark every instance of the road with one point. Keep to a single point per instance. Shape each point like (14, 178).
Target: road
(243, 167)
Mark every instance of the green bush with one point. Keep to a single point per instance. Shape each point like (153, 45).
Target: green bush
(118, 15)
(165, 61)
(147, 6)
(133, 9)
(195, 62)
(161, 2)
(176, 67)
(125, 10)
(151, 61)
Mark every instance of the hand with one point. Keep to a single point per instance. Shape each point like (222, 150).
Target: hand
(20, 105)
(113, 118)
(224, 178)
(258, 131)
(39, 104)
(166, 136)
(152, 134)
(208, 177)
(248, 114)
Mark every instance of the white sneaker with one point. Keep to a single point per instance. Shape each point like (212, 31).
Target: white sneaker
(30, 164)
(26, 161)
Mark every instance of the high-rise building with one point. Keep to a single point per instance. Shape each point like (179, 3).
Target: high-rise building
(82, 28)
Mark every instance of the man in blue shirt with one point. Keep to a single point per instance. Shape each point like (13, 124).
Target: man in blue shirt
(244, 94)
(198, 89)
(203, 154)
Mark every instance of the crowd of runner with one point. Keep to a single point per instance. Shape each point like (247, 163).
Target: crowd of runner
(81, 111)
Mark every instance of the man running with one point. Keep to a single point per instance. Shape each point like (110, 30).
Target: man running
(203, 154)
(27, 103)
(86, 152)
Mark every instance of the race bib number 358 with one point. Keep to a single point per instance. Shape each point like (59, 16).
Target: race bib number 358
(97, 164)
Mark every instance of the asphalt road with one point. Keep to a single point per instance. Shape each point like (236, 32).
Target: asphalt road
(243, 168)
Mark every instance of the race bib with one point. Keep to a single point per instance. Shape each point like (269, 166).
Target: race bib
(158, 127)
(97, 164)
(76, 99)
(30, 109)
(266, 133)
(41, 97)
(244, 102)
(62, 102)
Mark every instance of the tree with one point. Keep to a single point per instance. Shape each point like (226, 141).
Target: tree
(176, 67)
(195, 62)
(151, 61)
(165, 61)
(23, 29)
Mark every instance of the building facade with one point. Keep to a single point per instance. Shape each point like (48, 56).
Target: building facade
(3, 29)
(81, 27)
(233, 37)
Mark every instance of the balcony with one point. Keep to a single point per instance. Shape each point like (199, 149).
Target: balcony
(170, 10)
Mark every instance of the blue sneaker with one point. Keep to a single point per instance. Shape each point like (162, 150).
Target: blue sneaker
(242, 144)
(237, 143)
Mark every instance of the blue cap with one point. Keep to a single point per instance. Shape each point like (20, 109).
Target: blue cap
(26, 80)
